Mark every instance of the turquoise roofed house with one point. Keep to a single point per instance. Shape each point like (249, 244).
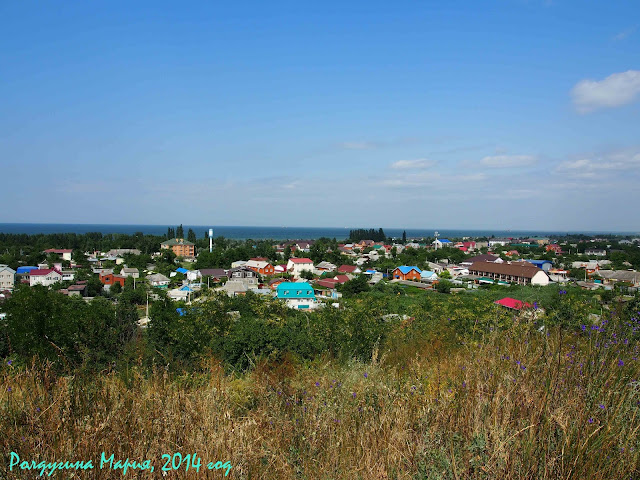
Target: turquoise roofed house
(428, 276)
(297, 295)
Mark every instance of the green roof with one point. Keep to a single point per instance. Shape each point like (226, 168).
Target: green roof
(485, 279)
(177, 241)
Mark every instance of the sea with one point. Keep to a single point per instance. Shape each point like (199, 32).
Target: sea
(280, 233)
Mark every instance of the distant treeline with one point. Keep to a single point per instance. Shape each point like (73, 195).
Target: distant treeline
(364, 234)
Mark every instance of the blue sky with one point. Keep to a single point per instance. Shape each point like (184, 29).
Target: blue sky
(463, 114)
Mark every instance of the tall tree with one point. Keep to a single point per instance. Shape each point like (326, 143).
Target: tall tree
(191, 236)
(180, 232)
(404, 236)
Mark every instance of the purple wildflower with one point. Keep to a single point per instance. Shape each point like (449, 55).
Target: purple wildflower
(620, 363)
(317, 384)
(591, 420)
(9, 362)
(354, 394)
(601, 406)
(365, 375)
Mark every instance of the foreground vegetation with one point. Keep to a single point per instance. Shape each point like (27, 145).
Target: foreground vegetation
(507, 399)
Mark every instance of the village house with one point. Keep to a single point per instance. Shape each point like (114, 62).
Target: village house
(117, 252)
(323, 267)
(130, 272)
(299, 295)
(512, 303)
(65, 253)
(7, 277)
(241, 280)
(624, 276)
(596, 252)
(327, 288)
(158, 280)
(274, 282)
(499, 242)
(79, 289)
(439, 243)
(111, 278)
(428, 276)
(405, 272)
(520, 273)
(342, 278)
(435, 267)
(45, 276)
(555, 248)
(261, 266)
(349, 269)
(541, 264)
(486, 257)
(296, 266)
(303, 245)
(213, 274)
(179, 246)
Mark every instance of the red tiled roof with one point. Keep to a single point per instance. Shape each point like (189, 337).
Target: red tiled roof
(512, 303)
(347, 268)
(327, 282)
(43, 271)
(341, 278)
(58, 250)
(301, 260)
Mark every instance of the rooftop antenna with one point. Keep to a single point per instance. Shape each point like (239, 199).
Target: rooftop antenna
(436, 234)
(210, 240)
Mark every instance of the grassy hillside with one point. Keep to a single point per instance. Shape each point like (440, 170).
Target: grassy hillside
(509, 402)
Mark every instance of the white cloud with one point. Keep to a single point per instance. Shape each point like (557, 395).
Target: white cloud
(417, 164)
(624, 34)
(614, 91)
(624, 162)
(506, 161)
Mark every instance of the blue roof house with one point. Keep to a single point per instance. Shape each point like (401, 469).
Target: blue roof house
(541, 264)
(428, 276)
(22, 270)
(406, 272)
(442, 242)
(297, 295)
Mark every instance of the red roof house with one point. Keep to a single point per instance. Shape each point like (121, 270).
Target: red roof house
(348, 269)
(342, 278)
(512, 303)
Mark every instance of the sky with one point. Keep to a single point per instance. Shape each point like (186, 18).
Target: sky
(506, 114)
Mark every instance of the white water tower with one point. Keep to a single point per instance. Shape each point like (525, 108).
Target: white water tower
(210, 240)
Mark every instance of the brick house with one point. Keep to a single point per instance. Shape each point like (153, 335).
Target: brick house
(180, 246)
(405, 272)
(111, 278)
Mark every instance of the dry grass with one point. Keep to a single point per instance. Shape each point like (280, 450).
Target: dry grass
(518, 404)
